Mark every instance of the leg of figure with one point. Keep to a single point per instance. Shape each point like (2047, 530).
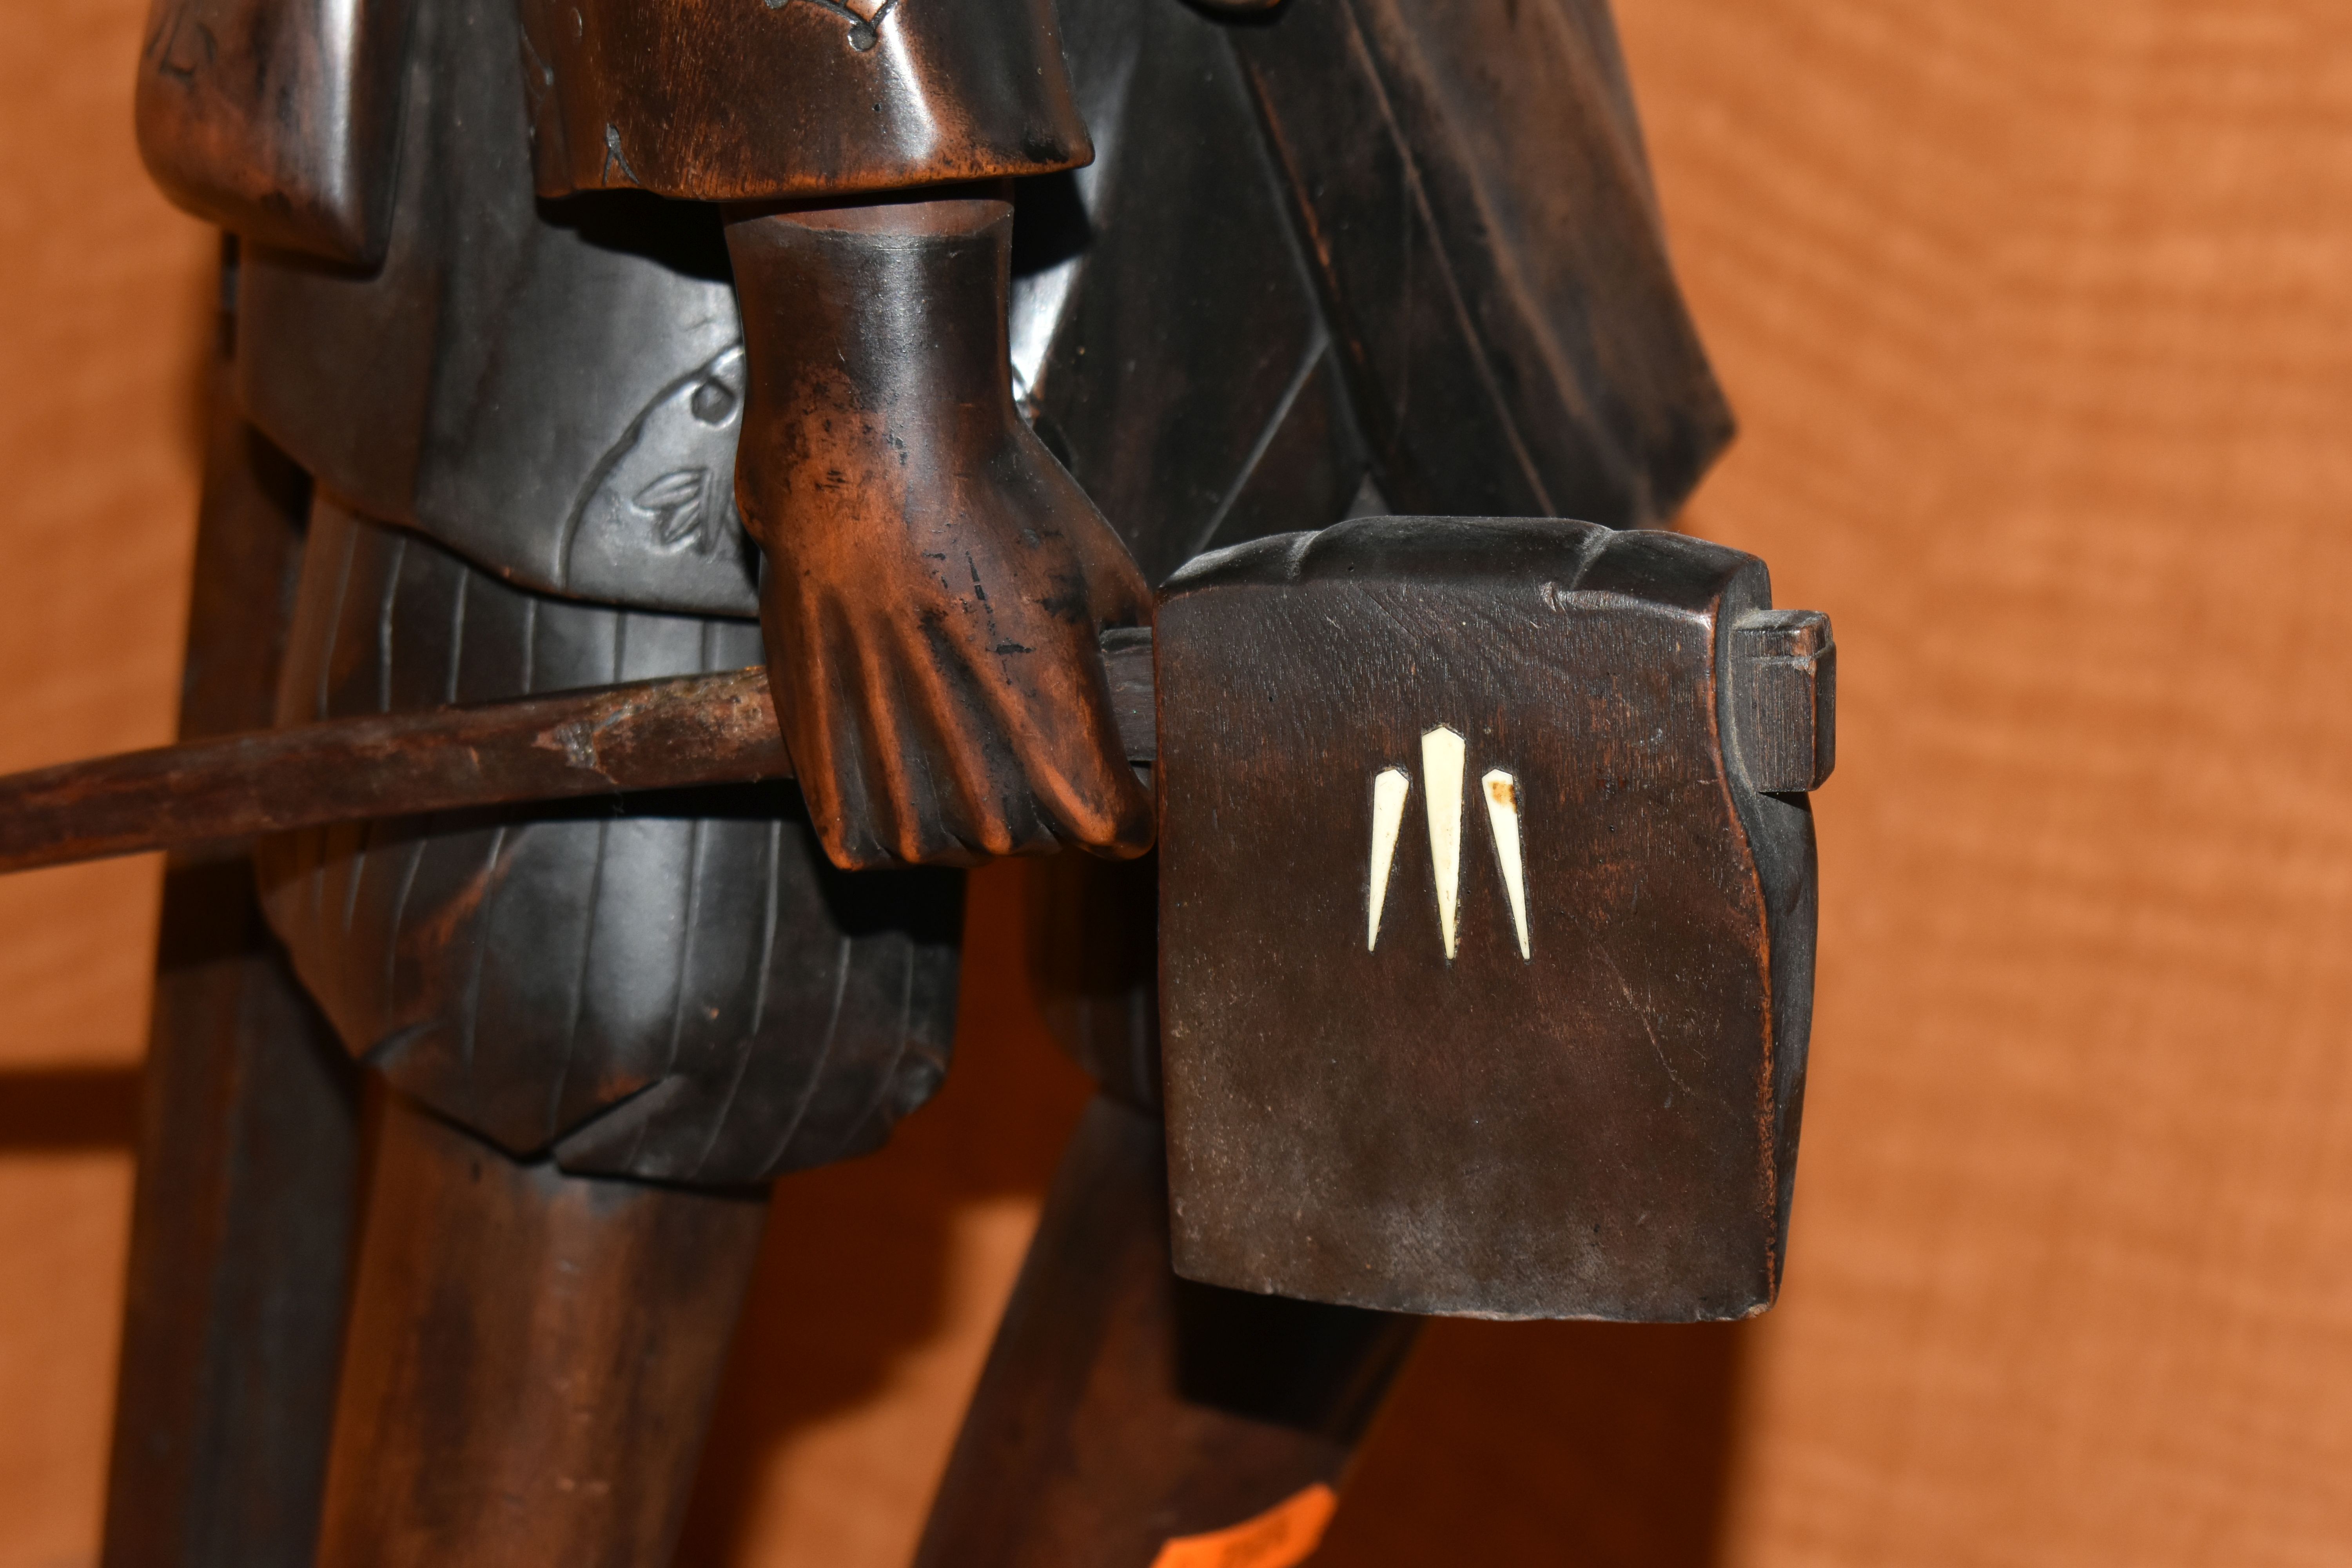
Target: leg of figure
(531, 1359)
(601, 1029)
(1123, 1408)
(241, 1217)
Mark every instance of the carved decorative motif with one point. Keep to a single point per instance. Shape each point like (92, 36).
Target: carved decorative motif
(667, 486)
(678, 504)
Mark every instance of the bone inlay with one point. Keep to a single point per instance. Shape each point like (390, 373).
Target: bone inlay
(1390, 788)
(1442, 757)
(1502, 792)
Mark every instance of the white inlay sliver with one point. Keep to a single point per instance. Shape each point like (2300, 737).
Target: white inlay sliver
(1442, 757)
(1502, 792)
(1390, 788)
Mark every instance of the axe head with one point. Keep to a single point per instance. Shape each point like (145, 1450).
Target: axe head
(1486, 917)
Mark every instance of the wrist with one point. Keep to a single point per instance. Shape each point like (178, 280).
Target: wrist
(897, 308)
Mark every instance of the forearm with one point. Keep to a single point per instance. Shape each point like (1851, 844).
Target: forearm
(874, 337)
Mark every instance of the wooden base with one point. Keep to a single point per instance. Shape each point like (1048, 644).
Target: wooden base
(531, 1361)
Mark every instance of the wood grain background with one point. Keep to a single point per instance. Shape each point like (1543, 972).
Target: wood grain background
(2038, 315)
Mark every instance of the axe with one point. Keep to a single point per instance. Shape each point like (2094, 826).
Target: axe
(1487, 894)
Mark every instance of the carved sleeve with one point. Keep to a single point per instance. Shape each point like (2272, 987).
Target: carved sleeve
(776, 99)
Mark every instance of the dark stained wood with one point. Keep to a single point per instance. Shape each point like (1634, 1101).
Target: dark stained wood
(278, 119)
(241, 1214)
(937, 584)
(1469, 183)
(680, 96)
(531, 1358)
(653, 734)
(240, 1242)
(1597, 1119)
(1121, 1406)
(1231, 367)
(1094, 967)
(1784, 713)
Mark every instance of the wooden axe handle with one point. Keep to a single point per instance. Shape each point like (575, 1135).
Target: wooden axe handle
(651, 734)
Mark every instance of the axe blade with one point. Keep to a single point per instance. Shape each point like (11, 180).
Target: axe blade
(1486, 950)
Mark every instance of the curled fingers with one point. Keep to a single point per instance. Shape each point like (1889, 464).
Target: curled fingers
(997, 816)
(1067, 747)
(899, 761)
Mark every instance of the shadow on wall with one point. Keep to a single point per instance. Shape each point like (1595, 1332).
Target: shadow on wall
(1521, 1445)
(50, 1110)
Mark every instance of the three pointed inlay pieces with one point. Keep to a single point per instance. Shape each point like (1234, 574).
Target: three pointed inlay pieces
(1444, 768)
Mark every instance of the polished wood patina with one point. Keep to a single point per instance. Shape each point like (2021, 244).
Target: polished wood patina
(905, 351)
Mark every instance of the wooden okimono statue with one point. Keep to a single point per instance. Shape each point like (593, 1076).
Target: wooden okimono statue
(907, 348)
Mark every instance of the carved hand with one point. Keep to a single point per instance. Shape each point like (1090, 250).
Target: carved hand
(935, 584)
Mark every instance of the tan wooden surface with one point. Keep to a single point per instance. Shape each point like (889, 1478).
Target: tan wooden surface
(2038, 315)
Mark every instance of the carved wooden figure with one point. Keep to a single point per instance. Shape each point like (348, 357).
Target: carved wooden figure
(905, 347)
